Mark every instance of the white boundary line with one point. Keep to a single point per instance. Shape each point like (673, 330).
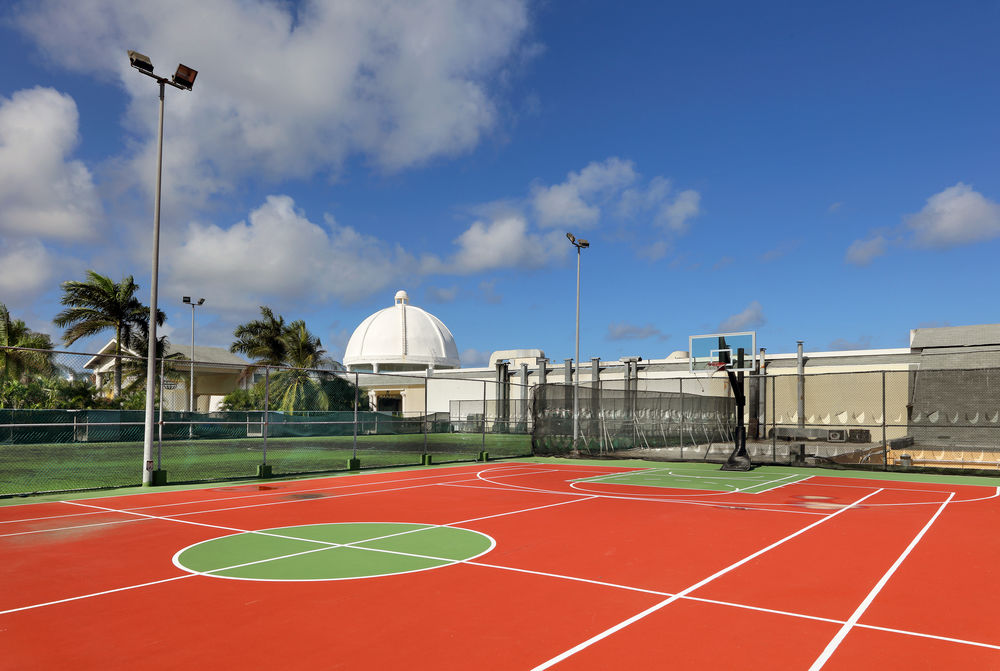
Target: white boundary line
(500, 567)
(701, 583)
(856, 615)
(215, 526)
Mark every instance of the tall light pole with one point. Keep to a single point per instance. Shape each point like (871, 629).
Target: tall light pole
(183, 79)
(579, 244)
(201, 301)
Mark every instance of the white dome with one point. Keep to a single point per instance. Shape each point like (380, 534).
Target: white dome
(402, 337)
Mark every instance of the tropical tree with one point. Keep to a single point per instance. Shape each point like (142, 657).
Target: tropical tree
(98, 304)
(262, 340)
(20, 364)
(300, 386)
(307, 381)
(135, 369)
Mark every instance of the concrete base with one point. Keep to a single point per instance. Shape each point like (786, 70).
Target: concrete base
(159, 478)
(353, 464)
(263, 470)
(426, 460)
(483, 456)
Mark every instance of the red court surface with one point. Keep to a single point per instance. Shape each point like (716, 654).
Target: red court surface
(820, 572)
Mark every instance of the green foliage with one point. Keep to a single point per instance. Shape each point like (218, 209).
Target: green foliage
(99, 304)
(244, 399)
(22, 365)
(305, 382)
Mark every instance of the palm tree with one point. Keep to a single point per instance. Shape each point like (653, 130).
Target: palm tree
(19, 364)
(98, 304)
(262, 340)
(135, 369)
(300, 387)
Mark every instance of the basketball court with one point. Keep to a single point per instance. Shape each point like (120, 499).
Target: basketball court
(532, 564)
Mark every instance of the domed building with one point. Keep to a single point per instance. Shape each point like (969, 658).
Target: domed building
(400, 339)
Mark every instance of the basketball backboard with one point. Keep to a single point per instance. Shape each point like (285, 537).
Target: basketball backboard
(705, 352)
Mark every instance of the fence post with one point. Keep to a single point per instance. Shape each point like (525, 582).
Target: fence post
(426, 379)
(354, 453)
(681, 387)
(774, 420)
(267, 405)
(159, 439)
(885, 444)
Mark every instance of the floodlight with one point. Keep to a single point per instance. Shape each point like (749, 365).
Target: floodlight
(201, 301)
(186, 299)
(582, 243)
(184, 77)
(140, 62)
(571, 238)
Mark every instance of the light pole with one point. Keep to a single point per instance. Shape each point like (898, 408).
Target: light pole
(201, 301)
(183, 79)
(579, 244)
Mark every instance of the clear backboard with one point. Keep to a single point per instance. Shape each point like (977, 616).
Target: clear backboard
(706, 352)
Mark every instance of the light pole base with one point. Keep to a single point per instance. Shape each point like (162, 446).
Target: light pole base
(353, 464)
(264, 470)
(159, 479)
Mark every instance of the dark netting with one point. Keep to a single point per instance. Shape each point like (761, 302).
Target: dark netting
(627, 423)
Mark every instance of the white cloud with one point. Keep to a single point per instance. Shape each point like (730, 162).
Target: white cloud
(474, 358)
(26, 268)
(749, 318)
(280, 253)
(577, 201)
(675, 215)
(655, 251)
(289, 89)
(42, 191)
(863, 252)
(625, 331)
(442, 294)
(956, 216)
(505, 242)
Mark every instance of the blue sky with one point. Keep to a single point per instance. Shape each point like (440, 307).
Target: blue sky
(823, 173)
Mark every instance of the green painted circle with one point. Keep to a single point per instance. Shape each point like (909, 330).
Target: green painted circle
(332, 551)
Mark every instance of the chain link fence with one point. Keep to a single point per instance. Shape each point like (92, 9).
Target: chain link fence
(74, 421)
(878, 420)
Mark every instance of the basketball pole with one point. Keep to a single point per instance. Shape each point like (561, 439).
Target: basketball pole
(579, 244)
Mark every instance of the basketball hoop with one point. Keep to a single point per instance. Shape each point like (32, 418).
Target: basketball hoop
(718, 366)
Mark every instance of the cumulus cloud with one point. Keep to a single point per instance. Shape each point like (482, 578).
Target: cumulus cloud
(43, 192)
(625, 331)
(863, 252)
(749, 318)
(278, 252)
(442, 294)
(576, 202)
(397, 82)
(506, 242)
(675, 215)
(474, 358)
(26, 268)
(956, 216)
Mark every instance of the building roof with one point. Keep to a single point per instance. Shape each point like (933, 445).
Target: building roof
(955, 336)
(202, 354)
(402, 334)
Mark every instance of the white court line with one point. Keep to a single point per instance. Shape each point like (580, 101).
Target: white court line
(719, 504)
(701, 583)
(269, 494)
(104, 509)
(471, 562)
(215, 526)
(856, 615)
